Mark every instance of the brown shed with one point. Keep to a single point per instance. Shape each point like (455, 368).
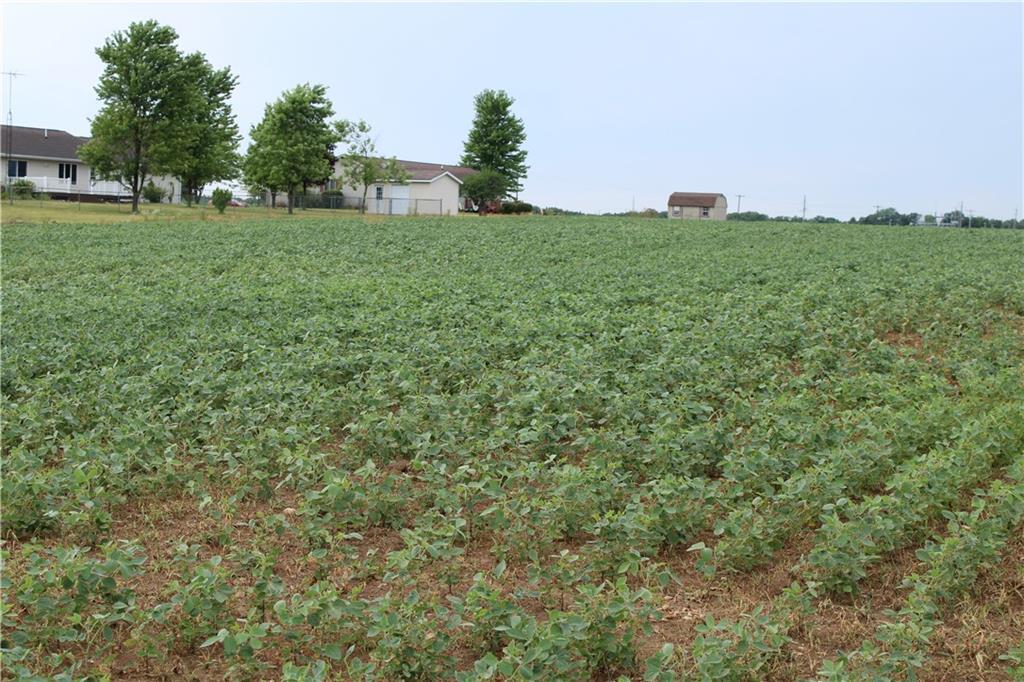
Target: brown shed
(697, 206)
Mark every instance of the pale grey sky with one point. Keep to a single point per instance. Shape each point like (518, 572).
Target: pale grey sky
(913, 105)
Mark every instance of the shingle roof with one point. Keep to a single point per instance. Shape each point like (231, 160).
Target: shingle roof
(418, 170)
(693, 199)
(45, 142)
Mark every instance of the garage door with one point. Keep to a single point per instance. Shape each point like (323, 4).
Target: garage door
(400, 199)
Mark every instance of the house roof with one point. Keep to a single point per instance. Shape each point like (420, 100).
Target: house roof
(46, 143)
(701, 200)
(419, 170)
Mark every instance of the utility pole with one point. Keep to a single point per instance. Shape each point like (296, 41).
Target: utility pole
(803, 216)
(11, 75)
(739, 198)
(970, 217)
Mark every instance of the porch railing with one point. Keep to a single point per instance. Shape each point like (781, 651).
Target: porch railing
(65, 186)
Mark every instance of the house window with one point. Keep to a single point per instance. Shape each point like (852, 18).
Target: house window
(380, 192)
(68, 171)
(17, 169)
(705, 212)
(675, 210)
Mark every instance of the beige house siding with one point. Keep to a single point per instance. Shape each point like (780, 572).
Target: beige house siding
(444, 189)
(440, 196)
(36, 169)
(45, 173)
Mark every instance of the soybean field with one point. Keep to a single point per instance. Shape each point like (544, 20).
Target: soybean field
(512, 448)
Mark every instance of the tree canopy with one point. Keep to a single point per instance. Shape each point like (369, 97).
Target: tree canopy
(148, 97)
(291, 144)
(496, 139)
(209, 150)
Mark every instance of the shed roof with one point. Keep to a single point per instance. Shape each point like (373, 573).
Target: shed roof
(48, 143)
(699, 199)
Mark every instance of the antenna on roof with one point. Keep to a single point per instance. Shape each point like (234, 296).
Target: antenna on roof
(11, 75)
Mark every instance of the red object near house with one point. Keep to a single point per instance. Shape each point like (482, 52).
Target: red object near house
(489, 207)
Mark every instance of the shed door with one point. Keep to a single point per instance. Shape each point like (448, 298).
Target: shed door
(399, 199)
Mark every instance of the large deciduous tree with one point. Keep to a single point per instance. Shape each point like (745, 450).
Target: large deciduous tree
(209, 150)
(290, 146)
(496, 139)
(361, 167)
(147, 95)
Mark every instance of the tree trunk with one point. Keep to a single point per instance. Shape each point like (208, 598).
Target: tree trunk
(291, 200)
(273, 199)
(136, 190)
(362, 204)
(138, 176)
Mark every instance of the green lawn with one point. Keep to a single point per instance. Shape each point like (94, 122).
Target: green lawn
(50, 211)
(331, 446)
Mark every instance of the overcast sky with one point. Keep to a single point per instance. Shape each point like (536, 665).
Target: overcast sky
(916, 106)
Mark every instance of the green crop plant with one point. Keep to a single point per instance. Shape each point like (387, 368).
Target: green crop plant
(305, 423)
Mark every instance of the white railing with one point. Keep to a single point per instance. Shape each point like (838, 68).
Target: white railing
(64, 185)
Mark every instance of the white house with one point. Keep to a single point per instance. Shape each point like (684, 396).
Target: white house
(432, 189)
(48, 158)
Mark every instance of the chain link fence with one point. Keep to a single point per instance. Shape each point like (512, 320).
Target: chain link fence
(337, 200)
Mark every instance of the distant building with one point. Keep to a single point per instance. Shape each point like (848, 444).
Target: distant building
(697, 206)
(48, 158)
(431, 189)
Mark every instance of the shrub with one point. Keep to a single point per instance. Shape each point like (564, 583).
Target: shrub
(484, 187)
(220, 199)
(23, 189)
(510, 207)
(152, 193)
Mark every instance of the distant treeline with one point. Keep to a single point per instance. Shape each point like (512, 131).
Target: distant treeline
(889, 216)
(645, 213)
(886, 216)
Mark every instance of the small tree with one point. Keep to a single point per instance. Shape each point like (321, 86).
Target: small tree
(484, 187)
(361, 167)
(289, 145)
(220, 199)
(152, 193)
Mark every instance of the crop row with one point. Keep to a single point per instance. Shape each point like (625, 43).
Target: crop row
(854, 535)
(752, 532)
(973, 541)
